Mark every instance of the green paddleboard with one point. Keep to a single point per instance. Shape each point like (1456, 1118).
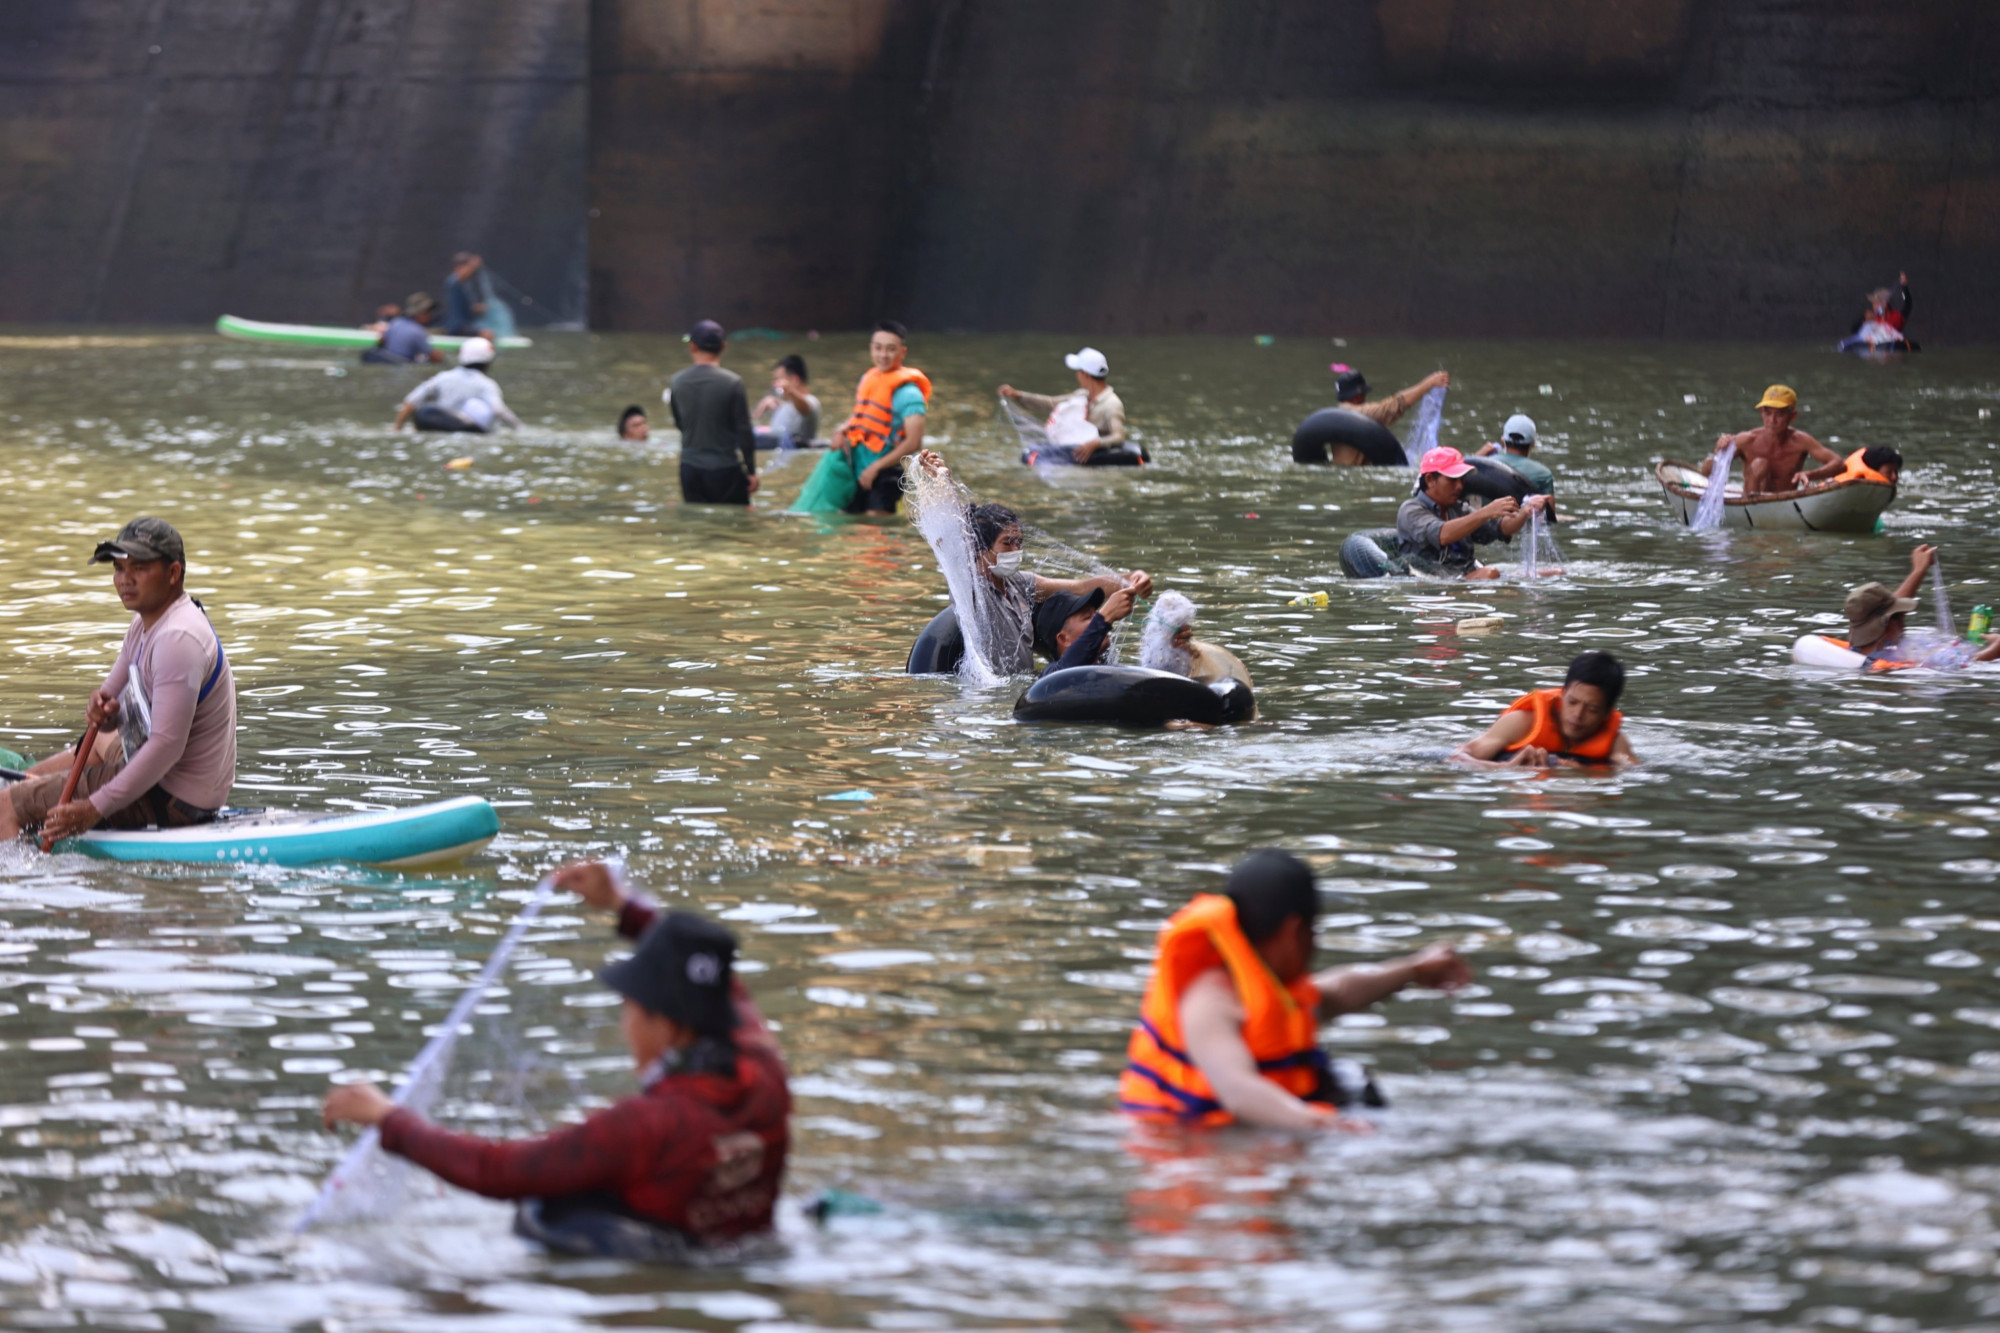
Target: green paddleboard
(326, 335)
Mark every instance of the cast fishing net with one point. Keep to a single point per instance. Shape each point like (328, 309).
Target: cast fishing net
(1708, 514)
(941, 507)
(1423, 436)
(1539, 551)
(1170, 614)
(369, 1184)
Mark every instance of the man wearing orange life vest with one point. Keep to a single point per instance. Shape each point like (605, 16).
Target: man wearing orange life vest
(1228, 1030)
(888, 421)
(1572, 727)
(1879, 463)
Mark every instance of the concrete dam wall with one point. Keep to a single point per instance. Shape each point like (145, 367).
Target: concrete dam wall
(1706, 169)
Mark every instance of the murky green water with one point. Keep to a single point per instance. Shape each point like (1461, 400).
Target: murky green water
(1731, 1061)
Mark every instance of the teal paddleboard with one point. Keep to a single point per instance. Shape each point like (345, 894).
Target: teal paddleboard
(327, 335)
(415, 835)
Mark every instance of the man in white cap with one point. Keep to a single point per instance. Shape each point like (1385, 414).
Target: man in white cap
(465, 398)
(1517, 439)
(1101, 405)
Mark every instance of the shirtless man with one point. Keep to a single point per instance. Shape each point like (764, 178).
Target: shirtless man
(1773, 454)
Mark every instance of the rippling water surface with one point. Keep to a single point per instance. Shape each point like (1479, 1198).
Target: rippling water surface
(1731, 1060)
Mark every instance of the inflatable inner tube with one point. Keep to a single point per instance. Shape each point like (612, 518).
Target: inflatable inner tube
(432, 417)
(771, 439)
(939, 648)
(1491, 480)
(579, 1226)
(1313, 441)
(1120, 455)
(1373, 555)
(1125, 696)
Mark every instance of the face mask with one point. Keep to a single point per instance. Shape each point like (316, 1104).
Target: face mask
(1008, 562)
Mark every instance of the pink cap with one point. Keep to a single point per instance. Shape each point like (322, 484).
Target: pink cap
(1448, 461)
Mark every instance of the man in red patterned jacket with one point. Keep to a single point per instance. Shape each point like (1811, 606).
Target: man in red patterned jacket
(696, 1157)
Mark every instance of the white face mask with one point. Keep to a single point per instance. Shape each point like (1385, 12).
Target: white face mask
(1007, 562)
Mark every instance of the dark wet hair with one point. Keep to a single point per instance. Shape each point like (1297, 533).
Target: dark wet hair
(1270, 888)
(989, 521)
(633, 411)
(796, 364)
(1881, 456)
(1602, 670)
(893, 326)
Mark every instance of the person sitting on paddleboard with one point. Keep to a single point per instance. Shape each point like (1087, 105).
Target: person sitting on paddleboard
(997, 542)
(1572, 727)
(1074, 629)
(1437, 532)
(405, 339)
(1228, 1030)
(699, 1151)
(1879, 463)
(1512, 450)
(1098, 402)
(464, 398)
(1170, 645)
(166, 751)
(1876, 625)
(1773, 453)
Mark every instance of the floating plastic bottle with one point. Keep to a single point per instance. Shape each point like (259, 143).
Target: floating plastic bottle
(1318, 599)
(1981, 624)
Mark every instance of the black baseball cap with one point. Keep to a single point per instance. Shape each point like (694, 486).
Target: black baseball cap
(1350, 386)
(681, 970)
(707, 335)
(143, 539)
(1054, 611)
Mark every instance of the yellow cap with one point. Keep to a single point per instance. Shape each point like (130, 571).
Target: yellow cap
(1779, 396)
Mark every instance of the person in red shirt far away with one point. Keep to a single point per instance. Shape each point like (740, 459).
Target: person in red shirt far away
(693, 1159)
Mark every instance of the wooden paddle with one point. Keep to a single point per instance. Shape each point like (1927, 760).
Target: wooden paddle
(84, 749)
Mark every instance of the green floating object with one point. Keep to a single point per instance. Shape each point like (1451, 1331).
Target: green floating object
(856, 795)
(14, 759)
(756, 335)
(1265, 340)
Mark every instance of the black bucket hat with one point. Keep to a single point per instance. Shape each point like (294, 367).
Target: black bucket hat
(1054, 611)
(1350, 386)
(681, 970)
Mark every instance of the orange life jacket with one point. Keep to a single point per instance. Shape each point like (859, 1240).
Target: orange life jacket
(874, 409)
(1872, 666)
(1860, 471)
(1548, 736)
(1280, 1026)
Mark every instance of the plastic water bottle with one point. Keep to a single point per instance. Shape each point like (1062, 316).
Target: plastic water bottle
(1981, 624)
(1318, 599)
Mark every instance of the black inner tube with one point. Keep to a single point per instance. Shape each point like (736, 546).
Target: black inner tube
(939, 648)
(1118, 455)
(1313, 441)
(1132, 697)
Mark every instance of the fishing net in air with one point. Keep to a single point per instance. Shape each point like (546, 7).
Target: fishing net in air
(1540, 556)
(1423, 436)
(1708, 514)
(369, 1184)
(941, 506)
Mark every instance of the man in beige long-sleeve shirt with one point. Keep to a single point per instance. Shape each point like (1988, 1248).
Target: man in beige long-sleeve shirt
(1352, 391)
(1101, 404)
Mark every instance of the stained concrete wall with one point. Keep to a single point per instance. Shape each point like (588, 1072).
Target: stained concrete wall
(169, 160)
(1675, 168)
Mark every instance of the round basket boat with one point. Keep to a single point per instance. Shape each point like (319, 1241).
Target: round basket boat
(1830, 506)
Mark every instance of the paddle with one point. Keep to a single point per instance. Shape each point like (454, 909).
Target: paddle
(84, 749)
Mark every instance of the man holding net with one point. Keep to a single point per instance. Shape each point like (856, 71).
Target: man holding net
(696, 1157)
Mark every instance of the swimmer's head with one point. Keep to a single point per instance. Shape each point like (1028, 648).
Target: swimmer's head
(793, 365)
(1351, 387)
(1589, 694)
(1061, 617)
(1276, 906)
(1885, 459)
(1875, 616)
(996, 531)
(632, 424)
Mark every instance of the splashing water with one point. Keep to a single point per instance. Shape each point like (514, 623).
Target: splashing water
(1941, 601)
(1170, 614)
(1708, 514)
(941, 509)
(1424, 431)
(1539, 532)
(369, 1183)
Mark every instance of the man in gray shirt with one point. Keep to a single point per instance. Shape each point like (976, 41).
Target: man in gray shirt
(718, 447)
(1438, 531)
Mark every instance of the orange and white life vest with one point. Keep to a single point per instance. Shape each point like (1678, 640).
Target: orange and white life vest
(1280, 1026)
(1860, 471)
(1546, 735)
